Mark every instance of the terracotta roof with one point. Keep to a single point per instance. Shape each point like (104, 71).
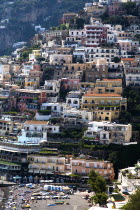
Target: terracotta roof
(111, 80)
(102, 95)
(36, 122)
(128, 59)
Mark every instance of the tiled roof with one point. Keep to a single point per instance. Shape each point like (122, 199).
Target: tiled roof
(102, 95)
(112, 80)
(36, 122)
(128, 59)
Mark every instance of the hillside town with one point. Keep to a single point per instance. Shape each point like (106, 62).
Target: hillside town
(69, 104)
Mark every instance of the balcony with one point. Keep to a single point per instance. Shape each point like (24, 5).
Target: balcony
(59, 163)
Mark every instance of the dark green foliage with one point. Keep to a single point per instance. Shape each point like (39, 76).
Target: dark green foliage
(133, 108)
(114, 20)
(100, 198)
(44, 112)
(131, 8)
(97, 183)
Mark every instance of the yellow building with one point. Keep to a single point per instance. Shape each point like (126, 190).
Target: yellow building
(8, 127)
(36, 52)
(5, 78)
(85, 86)
(95, 10)
(32, 81)
(74, 70)
(104, 106)
(39, 164)
(108, 86)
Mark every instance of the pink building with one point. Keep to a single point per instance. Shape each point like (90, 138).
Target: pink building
(95, 35)
(83, 167)
(70, 84)
(116, 8)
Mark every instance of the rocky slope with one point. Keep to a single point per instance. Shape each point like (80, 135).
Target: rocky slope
(18, 17)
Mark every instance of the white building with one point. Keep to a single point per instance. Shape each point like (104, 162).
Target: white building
(35, 131)
(115, 70)
(73, 99)
(59, 58)
(56, 108)
(52, 86)
(125, 45)
(107, 132)
(130, 178)
(93, 53)
(26, 68)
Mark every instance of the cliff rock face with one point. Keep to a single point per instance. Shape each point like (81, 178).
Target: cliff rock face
(18, 17)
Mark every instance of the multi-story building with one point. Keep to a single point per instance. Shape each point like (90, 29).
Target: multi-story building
(96, 70)
(85, 86)
(76, 35)
(32, 81)
(105, 106)
(124, 35)
(28, 99)
(106, 132)
(74, 70)
(96, 34)
(115, 70)
(94, 9)
(99, 52)
(67, 17)
(34, 55)
(116, 8)
(5, 68)
(52, 86)
(83, 167)
(70, 84)
(60, 59)
(13, 158)
(125, 45)
(39, 164)
(73, 99)
(129, 178)
(35, 131)
(56, 34)
(26, 68)
(108, 86)
(8, 127)
(131, 71)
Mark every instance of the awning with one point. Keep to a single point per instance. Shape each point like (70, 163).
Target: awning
(48, 172)
(17, 177)
(42, 171)
(36, 171)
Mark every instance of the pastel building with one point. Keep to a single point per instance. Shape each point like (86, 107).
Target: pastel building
(83, 167)
(106, 132)
(39, 164)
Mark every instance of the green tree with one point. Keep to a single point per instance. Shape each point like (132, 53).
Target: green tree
(97, 182)
(100, 198)
(25, 55)
(134, 202)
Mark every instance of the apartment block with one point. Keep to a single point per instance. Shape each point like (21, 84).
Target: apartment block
(104, 106)
(96, 34)
(83, 167)
(35, 131)
(108, 86)
(106, 132)
(46, 164)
